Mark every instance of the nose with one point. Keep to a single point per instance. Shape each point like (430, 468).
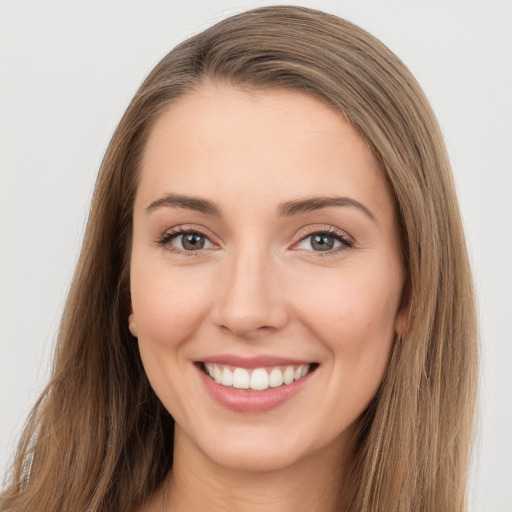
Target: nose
(250, 302)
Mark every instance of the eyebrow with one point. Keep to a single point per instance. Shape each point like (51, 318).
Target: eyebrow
(187, 202)
(315, 203)
(286, 209)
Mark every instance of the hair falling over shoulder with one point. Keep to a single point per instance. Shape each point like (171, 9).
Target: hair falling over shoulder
(99, 439)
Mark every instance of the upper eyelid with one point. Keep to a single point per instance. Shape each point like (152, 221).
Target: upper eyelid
(347, 241)
(185, 229)
(330, 230)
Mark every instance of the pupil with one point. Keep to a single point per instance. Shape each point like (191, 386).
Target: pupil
(322, 242)
(193, 242)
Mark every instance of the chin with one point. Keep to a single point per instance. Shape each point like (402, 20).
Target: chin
(267, 448)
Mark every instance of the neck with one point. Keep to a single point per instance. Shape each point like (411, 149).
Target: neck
(197, 483)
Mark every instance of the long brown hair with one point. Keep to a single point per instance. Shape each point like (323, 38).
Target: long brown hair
(100, 440)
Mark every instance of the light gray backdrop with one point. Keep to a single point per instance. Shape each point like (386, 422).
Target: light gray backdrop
(68, 70)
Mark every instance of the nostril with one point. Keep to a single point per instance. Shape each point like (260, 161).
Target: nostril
(246, 329)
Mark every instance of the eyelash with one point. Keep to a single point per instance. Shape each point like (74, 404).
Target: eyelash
(168, 236)
(345, 240)
(338, 235)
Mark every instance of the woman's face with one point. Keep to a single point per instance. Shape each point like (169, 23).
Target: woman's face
(265, 253)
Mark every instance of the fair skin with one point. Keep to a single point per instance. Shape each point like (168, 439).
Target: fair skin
(233, 265)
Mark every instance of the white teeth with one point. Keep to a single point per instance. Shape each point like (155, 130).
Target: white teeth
(288, 375)
(209, 369)
(258, 379)
(276, 378)
(227, 377)
(217, 374)
(240, 378)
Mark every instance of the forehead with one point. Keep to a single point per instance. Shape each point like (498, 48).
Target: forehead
(226, 142)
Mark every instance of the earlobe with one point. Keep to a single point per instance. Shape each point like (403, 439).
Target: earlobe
(401, 323)
(402, 316)
(132, 325)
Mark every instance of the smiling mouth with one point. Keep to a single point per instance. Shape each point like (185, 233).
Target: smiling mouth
(256, 379)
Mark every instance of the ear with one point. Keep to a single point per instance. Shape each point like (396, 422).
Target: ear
(132, 325)
(402, 320)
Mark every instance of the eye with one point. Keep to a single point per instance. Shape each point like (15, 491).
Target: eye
(185, 240)
(325, 241)
(319, 242)
(190, 241)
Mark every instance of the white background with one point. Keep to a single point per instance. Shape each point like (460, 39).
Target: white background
(68, 70)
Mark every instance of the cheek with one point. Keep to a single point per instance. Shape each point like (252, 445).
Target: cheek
(167, 305)
(354, 316)
(168, 309)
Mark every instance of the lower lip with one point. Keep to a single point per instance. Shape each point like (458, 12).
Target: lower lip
(242, 400)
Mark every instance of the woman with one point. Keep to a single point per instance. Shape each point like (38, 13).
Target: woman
(273, 305)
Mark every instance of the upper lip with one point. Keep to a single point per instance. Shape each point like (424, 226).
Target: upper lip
(259, 361)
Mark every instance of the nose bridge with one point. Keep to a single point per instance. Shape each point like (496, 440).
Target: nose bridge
(250, 300)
